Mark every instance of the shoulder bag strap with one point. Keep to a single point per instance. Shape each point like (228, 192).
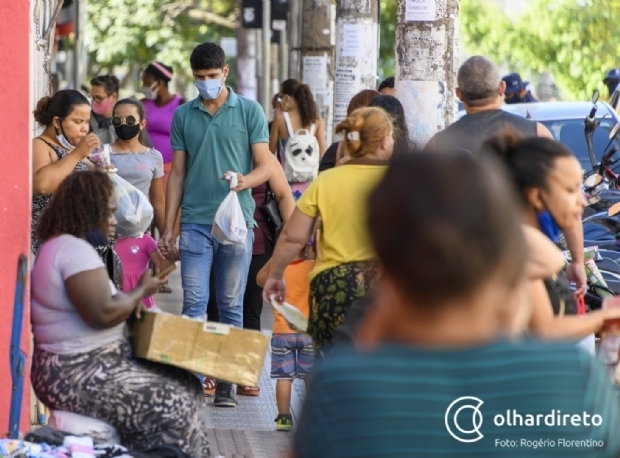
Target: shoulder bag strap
(312, 129)
(289, 125)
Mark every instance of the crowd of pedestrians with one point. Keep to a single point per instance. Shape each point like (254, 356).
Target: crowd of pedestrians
(431, 260)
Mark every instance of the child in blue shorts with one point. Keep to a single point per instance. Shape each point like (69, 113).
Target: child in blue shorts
(292, 353)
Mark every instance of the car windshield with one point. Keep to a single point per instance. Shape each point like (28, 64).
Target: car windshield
(571, 133)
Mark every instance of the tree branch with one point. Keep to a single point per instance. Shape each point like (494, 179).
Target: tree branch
(211, 17)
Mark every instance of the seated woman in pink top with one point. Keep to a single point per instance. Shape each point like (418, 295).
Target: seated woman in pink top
(160, 104)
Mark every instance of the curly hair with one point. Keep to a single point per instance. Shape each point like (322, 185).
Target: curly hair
(303, 96)
(80, 204)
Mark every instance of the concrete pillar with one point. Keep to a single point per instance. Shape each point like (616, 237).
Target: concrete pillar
(15, 190)
(426, 65)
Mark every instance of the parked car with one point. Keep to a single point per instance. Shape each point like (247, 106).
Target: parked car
(565, 121)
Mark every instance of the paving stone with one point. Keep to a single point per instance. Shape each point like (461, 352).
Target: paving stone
(247, 431)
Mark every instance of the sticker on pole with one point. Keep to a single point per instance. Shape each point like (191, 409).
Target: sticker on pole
(293, 316)
(420, 10)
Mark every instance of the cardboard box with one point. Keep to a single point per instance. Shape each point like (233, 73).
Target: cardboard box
(214, 349)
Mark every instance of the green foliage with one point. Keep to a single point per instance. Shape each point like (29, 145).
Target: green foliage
(577, 41)
(124, 32)
(387, 37)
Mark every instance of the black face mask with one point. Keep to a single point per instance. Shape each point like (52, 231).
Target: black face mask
(611, 86)
(125, 132)
(97, 238)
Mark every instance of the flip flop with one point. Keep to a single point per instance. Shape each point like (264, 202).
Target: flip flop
(208, 387)
(164, 289)
(248, 390)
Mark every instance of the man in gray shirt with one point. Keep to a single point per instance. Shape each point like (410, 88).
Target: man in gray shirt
(481, 89)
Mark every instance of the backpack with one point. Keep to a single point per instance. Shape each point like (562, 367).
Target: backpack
(301, 153)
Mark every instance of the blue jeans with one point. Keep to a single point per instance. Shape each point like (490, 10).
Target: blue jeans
(199, 251)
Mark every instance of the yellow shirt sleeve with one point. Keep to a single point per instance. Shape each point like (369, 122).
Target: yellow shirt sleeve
(308, 203)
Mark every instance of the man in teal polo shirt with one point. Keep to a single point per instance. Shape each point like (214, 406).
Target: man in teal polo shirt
(216, 133)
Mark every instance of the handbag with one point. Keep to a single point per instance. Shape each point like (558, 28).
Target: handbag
(271, 210)
(561, 295)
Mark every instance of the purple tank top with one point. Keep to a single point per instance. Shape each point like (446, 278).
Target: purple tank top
(159, 123)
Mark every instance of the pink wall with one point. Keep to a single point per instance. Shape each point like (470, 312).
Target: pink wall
(15, 191)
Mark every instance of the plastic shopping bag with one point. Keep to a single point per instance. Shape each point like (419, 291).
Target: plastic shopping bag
(134, 212)
(229, 226)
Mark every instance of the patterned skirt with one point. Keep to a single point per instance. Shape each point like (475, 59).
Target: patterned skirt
(149, 404)
(331, 294)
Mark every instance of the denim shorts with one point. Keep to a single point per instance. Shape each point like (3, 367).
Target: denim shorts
(292, 356)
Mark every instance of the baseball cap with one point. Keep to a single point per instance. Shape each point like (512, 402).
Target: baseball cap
(514, 83)
(612, 75)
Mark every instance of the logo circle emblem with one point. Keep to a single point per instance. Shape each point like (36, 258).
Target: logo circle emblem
(458, 408)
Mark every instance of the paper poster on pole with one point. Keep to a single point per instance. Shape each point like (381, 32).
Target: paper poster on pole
(343, 93)
(315, 74)
(425, 107)
(229, 45)
(353, 40)
(420, 10)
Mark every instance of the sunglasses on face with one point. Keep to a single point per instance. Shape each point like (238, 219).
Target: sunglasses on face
(117, 121)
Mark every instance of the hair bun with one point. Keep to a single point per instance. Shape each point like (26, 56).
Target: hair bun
(41, 108)
(505, 144)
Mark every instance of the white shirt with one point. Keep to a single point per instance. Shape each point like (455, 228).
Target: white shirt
(56, 324)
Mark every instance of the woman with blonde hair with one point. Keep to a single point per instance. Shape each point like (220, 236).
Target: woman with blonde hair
(345, 266)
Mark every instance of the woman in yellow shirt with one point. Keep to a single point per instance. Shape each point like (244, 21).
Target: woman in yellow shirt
(345, 266)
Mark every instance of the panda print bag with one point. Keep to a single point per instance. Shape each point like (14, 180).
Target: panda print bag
(301, 153)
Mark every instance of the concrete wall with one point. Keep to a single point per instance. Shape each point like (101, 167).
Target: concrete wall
(15, 193)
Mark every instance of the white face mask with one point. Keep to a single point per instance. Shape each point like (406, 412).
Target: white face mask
(150, 93)
(62, 140)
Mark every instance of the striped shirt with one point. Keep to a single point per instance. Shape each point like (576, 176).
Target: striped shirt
(398, 402)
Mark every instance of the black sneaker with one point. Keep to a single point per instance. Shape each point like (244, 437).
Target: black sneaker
(284, 423)
(224, 395)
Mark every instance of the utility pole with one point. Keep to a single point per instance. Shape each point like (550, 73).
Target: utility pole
(317, 56)
(246, 63)
(357, 49)
(294, 39)
(265, 93)
(426, 64)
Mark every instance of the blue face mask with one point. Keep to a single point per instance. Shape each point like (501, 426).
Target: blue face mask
(209, 89)
(548, 226)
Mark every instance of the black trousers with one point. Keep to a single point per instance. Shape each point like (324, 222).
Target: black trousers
(253, 297)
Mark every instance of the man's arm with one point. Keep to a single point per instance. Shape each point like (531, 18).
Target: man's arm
(259, 141)
(542, 131)
(261, 171)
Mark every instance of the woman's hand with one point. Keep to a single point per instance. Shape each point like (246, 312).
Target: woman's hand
(139, 309)
(87, 145)
(576, 272)
(274, 286)
(149, 284)
(166, 244)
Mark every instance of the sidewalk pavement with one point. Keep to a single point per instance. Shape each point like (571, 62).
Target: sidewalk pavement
(247, 431)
